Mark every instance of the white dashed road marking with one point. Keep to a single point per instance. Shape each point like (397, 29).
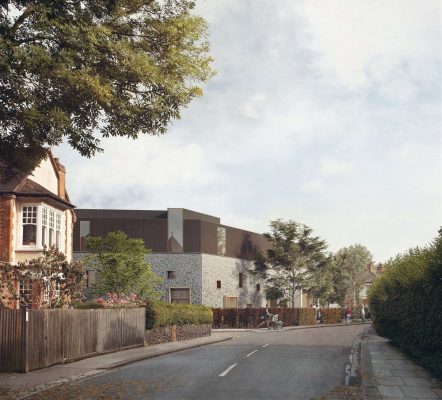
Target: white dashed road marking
(254, 351)
(228, 370)
(266, 345)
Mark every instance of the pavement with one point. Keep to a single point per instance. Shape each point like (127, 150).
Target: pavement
(388, 374)
(385, 373)
(18, 385)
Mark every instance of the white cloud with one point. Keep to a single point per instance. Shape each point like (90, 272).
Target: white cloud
(357, 40)
(405, 151)
(333, 167)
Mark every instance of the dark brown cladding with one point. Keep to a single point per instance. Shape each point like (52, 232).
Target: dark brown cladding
(200, 231)
(88, 214)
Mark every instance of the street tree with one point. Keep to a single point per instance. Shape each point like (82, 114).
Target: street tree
(121, 266)
(295, 255)
(80, 70)
(349, 266)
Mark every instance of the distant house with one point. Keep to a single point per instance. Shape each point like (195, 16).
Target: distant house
(369, 275)
(201, 260)
(35, 212)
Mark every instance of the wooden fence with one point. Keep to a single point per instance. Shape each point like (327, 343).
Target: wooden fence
(33, 339)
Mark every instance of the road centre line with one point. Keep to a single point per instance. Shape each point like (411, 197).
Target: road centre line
(266, 345)
(228, 370)
(254, 351)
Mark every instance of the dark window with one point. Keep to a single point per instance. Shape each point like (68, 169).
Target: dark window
(240, 279)
(218, 284)
(258, 287)
(170, 274)
(29, 235)
(181, 296)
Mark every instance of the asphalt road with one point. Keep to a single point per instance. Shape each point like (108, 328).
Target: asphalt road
(289, 364)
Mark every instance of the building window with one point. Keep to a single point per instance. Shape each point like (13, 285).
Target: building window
(51, 228)
(29, 219)
(25, 293)
(230, 302)
(171, 275)
(85, 230)
(258, 287)
(41, 226)
(57, 290)
(221, 241)
(180, 296)
(58, 230)
(240, 279)
(44, 227)
(218, 284)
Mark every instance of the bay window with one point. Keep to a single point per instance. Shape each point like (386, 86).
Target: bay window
(41, 225)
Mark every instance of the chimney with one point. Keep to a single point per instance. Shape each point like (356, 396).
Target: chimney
(61, 180)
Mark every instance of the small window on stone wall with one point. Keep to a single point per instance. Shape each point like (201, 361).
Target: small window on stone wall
(171, 275)
(240, 279)
(218, 284)
(258, 287)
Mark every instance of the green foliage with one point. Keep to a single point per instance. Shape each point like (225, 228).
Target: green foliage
(348, 273)
(164, 314)
(87, 305)
(294, 258)
(44, 271)
(71, 69)
(121, 266)
(405, 303)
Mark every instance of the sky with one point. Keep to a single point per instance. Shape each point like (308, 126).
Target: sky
(327, 113)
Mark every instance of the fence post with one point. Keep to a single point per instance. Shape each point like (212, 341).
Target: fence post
(25, 315)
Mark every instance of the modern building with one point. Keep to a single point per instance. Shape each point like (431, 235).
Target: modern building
(35, 212)
(201, 260)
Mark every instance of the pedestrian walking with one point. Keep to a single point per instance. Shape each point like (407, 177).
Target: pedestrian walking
(348, 314)
(363, 313)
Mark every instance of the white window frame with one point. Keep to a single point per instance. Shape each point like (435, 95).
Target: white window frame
(39, 245)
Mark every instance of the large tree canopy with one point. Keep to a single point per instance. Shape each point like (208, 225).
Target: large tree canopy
(81, 69)
(349, 266)
(121, 266)
(295, 256)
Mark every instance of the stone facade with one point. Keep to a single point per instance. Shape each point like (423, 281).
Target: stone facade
(203, 272)
(226, 270)
(187, 269)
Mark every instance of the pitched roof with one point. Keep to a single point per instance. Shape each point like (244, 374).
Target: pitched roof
(368, 276)
(29, 188)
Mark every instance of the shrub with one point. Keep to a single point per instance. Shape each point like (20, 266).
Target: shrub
(164, 314)
(405, 303)
(87, 305)
(331, 315)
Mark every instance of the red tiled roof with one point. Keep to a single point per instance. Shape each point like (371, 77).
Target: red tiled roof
(28, 188)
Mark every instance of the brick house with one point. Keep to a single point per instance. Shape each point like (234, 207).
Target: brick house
(35, 212)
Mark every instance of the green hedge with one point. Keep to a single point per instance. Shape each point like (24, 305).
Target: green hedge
(406, 304)
(250, 317)
(164, 314)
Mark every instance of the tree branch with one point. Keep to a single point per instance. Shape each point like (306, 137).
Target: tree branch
(28, 11)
